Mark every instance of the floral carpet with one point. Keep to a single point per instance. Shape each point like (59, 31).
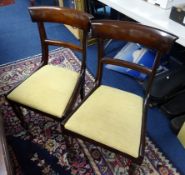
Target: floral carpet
(47, 153)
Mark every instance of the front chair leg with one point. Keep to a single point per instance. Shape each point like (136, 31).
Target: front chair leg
(82, 86)
(19, 114)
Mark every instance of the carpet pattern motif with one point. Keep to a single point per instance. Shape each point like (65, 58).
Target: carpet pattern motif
(47, 152)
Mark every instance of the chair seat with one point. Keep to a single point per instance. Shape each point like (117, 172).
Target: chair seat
(181, 135)
(47, 90)
(115, 121)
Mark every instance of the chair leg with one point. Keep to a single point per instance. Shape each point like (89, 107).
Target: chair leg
(19, 114)
(82, 89)
(72, 153)
(82, 93)
(132, 169)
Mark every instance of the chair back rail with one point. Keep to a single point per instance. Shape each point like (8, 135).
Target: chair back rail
(66, 16)
(152, 38)
(129, 31)
(130, 65)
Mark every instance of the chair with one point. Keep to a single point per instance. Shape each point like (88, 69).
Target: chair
(110, 117)
(53, 90)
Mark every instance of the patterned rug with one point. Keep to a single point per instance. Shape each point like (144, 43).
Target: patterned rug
(47, 152)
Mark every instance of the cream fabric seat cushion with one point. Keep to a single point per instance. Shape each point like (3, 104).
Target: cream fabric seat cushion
(48, 90)
(112, 117)
(181, 135)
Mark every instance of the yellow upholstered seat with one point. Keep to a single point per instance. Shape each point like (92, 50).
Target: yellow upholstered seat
(181, 135)
(47, 90)
(112, 117)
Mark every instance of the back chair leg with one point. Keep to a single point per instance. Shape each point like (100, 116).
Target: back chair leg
(82, 93)
(71, 151)
(132, 169)
(82, 89)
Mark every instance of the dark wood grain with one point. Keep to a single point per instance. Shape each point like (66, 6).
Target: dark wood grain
(150, 37)
(67, 16)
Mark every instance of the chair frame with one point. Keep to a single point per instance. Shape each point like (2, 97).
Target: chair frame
(152, 38)
(75, 18)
